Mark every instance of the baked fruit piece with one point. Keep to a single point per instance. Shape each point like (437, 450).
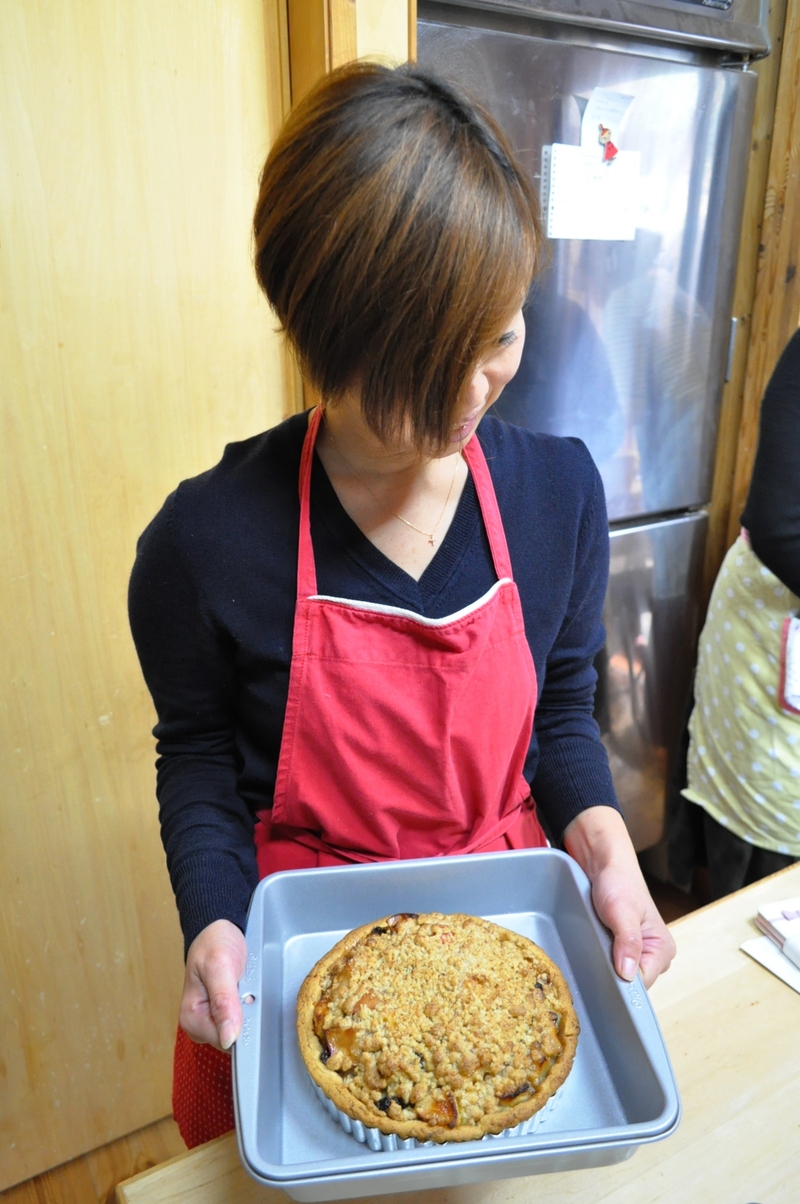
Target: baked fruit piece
(437, 1027)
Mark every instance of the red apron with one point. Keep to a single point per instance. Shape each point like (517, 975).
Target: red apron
(404, 737)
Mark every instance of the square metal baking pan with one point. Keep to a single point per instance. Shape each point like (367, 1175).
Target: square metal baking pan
(620, 1093)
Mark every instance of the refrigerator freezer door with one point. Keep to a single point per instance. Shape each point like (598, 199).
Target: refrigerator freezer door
(738, 26)
(627, 340)
(652, 620)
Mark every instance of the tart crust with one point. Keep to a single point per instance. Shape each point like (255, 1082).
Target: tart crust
(437, 1027)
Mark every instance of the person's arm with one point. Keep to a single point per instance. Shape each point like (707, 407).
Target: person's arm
(598, 840)
(572, 771)
(573, 783)
(206, 827)
(772, 512)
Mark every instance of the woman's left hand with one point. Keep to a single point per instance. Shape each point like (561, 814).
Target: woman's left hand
(599, 842)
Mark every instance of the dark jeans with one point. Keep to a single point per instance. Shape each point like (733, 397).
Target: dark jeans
(733, 862)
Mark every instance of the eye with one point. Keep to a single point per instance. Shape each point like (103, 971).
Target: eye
(508, 338)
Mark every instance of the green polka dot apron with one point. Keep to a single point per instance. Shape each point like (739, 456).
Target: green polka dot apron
(744, 754)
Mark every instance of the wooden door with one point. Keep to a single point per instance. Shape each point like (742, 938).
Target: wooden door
(133, 345)
(324, 34)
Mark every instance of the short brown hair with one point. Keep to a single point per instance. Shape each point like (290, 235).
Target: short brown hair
(394, 237)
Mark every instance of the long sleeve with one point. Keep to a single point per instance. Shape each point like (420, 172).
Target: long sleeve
(554, 513)
(772, 513)
(206, 827)
(573, 772)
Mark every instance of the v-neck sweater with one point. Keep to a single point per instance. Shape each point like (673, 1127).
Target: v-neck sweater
(212, 597)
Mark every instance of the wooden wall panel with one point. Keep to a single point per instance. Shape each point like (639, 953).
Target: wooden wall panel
(133, 344)
(386, 31)
(279, 101)
(309, 35)
(324, 34)
(342, 32)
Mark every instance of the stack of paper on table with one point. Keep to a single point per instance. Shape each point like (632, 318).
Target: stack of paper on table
(779, 949)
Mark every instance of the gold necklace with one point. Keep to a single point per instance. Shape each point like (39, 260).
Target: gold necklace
(429, 535)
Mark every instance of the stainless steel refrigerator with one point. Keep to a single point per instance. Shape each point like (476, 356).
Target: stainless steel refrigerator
(629, 326)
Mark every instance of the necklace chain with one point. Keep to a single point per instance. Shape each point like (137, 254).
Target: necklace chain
(429, 535)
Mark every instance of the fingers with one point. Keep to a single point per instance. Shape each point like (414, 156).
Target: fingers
(210, 1011)
(657, 953)
(642, 942)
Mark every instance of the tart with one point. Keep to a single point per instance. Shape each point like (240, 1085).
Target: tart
(437, 1027)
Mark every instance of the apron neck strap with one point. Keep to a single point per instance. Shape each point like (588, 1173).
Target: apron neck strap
(484, 488)
(487, 500)
(306, 569)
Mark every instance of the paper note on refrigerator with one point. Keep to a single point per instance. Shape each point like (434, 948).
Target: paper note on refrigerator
(603, 108)
(585, 198)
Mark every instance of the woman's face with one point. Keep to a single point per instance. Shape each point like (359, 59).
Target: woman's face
(489, 380)
(487, 383)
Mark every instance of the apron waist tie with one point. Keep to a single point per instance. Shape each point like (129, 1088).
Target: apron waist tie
(315, 843)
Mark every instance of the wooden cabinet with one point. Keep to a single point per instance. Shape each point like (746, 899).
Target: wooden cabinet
(134, 344)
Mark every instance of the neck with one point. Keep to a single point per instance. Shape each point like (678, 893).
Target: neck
(402, 501)
(347, 435)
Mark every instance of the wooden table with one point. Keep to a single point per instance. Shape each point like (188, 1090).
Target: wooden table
(733, 1032)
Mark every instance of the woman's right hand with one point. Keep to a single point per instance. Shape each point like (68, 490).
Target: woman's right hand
(210, 1012)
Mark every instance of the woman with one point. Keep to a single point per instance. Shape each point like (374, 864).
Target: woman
(352, 675)
(744, 746)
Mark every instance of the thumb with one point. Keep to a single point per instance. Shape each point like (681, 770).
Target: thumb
(627, 947)
(221, 983)
(620, 911)
(210, 1011)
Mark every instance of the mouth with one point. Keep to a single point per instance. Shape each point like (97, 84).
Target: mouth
(463, 431)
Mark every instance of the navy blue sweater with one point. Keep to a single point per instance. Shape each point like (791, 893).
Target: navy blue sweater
(212, 598)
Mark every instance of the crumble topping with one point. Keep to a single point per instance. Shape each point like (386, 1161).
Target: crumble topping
(442, 1019)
